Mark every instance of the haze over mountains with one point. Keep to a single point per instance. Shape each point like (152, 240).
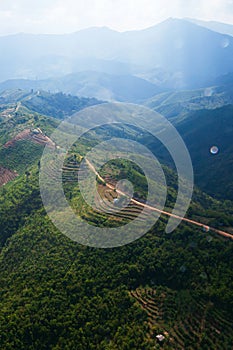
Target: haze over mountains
(173, 54)
(59, 295)
(151, 67)
(181, 55)
(123, 88)
(222, 28)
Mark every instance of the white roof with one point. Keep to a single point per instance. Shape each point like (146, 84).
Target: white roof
(160, 337)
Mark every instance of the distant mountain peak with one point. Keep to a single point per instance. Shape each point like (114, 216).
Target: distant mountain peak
(220, 27)
(96, 29)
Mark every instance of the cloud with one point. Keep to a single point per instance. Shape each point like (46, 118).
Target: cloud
(59, 16)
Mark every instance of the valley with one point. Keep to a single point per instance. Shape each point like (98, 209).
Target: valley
(162, 290)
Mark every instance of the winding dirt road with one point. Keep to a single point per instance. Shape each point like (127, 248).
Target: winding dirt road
(193, 222)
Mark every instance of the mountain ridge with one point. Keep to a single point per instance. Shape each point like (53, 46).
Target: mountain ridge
(124, 88)
(175, 45)
(220, 27)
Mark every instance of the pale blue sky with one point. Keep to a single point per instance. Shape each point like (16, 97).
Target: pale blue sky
(63, 16)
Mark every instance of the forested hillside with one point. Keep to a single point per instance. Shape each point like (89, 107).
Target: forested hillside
(57, 294)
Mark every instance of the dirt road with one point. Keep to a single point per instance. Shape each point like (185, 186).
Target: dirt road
(193, 222)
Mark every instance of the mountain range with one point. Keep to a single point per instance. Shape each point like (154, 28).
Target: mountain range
(104, 86)
(176, 53)
(57, 294)
(164, 290)
(219, 27)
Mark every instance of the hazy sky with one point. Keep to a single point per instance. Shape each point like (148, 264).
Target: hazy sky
(62, 16)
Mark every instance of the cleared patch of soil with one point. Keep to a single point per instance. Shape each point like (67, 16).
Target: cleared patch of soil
(6, 175)
(24, 135)
(27, 134)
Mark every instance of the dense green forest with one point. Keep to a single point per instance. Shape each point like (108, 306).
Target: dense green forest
(57, 294)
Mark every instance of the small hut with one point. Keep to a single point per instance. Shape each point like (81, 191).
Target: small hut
(160, 338)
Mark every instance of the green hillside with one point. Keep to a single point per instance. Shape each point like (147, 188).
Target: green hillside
(57, 294)
(57, 105)
(201, 130)
(175, 105)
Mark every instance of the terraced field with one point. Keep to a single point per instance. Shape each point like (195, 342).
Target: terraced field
(185, 321)
(20, 156)
(27, 134)
(20, 152)
(6, 176)
(71, 173)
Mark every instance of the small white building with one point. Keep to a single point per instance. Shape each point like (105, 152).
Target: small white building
(160, 337)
